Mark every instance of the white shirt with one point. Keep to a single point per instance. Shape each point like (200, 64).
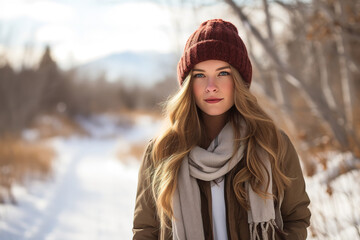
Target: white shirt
(218, 210)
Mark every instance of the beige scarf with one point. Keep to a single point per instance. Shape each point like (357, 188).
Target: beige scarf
(209, 165)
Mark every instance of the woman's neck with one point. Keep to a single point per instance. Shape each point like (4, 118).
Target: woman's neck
(213, 125)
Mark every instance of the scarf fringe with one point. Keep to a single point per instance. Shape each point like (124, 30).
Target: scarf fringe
(262, 228)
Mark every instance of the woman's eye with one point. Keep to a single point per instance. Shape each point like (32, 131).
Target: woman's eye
(198, 75)
(224, 73)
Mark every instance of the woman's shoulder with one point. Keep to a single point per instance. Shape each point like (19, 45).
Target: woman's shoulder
(147, 165)
(284, 136)
(287, 143)
(290, 161)
(149, 146)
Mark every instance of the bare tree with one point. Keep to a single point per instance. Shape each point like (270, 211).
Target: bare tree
(319, 103)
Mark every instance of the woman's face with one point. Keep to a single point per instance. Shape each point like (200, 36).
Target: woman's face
(213, 87)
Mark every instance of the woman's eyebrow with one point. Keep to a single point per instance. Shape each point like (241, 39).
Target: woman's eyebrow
(220, 68)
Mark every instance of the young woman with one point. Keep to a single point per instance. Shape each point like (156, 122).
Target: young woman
(222, 169)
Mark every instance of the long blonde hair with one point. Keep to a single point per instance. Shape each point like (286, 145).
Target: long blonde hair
(186, 131)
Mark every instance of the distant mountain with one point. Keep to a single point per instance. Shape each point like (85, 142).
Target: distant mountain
(146, 68)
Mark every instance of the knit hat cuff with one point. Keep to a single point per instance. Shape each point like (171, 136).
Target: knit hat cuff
(213, 50)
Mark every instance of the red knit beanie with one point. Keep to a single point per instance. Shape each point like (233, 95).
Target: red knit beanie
(215, 39)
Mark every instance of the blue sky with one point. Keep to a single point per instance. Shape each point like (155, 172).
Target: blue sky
(82, 30)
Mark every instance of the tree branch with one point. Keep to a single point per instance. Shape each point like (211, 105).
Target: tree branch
(346, 166)
(317, 104)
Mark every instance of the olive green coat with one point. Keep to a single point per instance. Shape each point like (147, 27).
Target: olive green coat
(294, 208)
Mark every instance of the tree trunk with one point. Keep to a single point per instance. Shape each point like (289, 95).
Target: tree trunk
(345, 75)
(324, 77)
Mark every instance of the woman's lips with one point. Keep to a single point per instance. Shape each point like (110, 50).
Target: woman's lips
(213, 100)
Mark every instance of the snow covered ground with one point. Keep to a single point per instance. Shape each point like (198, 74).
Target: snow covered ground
(335, 215)
(91, 192)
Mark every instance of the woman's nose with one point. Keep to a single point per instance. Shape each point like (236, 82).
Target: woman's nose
(211, 85)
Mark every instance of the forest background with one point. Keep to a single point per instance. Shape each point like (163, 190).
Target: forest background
(305, 55)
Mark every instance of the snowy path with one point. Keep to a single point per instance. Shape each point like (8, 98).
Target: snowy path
(91, 195)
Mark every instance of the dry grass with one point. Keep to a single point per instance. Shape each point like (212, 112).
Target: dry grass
(133, 114)
(20, 161)
(136, 150)
(57, 125)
